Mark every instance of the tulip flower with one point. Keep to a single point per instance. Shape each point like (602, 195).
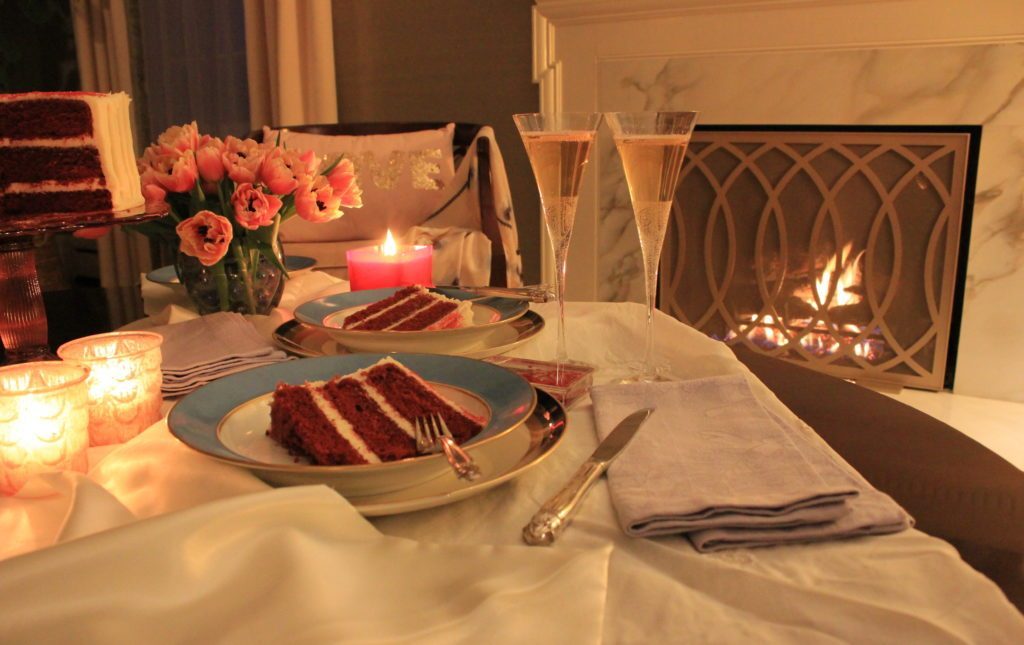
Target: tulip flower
(206, 236)
(254, 208)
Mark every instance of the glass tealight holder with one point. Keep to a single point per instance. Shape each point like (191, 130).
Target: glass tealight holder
(124, 382)
(44, 421)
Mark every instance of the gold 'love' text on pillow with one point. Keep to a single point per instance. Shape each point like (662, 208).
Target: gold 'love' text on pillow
(423, 170)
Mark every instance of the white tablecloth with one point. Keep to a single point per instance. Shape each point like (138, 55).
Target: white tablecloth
(903, 588)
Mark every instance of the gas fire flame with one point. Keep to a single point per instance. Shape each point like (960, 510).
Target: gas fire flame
(844, 270)
(849, 276)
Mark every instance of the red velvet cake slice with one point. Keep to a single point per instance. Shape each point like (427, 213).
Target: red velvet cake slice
(411, 309)
(364, 418)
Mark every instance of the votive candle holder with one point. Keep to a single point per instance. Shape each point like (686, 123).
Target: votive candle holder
(124, 382)
(44, 421)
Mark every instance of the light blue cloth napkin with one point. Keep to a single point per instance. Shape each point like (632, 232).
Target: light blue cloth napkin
(713, 464)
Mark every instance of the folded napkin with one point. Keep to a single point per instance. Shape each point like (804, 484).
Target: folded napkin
(203, 349)
(713, 464)
(295, 565)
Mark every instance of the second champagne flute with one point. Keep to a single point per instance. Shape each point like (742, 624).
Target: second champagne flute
(652, 146)
(558, 146)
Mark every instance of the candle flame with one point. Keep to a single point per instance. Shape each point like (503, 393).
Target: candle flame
(389, 247)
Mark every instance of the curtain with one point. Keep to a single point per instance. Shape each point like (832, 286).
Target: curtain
(290, 60)
(104, 63)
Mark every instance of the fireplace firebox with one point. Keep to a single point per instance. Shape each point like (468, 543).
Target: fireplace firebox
(842, 248)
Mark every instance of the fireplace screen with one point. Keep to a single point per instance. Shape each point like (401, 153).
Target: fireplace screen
(840, 248)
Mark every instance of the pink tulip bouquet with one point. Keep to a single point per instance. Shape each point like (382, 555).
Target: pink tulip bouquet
(226, 200)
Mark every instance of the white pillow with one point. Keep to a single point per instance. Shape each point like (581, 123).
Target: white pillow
(405, 177)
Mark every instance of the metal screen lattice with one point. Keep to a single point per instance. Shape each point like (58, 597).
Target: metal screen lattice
(834, 248)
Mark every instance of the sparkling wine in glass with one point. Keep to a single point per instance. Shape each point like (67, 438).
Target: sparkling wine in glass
(558, 146)
(652, 146)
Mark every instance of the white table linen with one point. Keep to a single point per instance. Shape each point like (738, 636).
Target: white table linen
(900, 588)
(293, 565)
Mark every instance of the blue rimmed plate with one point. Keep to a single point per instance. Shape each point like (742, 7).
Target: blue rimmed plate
(488, 314)
(167, 274)
(228, 419)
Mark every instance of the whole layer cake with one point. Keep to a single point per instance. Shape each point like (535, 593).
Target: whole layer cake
(411, 309)
(66, 152)
(367, 417)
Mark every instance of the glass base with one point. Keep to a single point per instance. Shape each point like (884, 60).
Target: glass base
(634, 373)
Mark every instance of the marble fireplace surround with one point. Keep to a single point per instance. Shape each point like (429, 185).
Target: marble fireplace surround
(860, 62)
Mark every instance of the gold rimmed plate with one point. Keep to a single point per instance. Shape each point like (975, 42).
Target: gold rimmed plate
(229, 418)
(301, 339)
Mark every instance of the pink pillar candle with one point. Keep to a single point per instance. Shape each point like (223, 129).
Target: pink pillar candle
(370, 268)
(124, 382)
(44, 421)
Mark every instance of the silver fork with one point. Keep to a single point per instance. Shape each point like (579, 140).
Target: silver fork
(432, 434)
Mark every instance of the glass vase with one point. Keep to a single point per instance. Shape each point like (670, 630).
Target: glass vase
(230, 286)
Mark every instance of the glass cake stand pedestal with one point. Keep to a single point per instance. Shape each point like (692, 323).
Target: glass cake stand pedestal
(23, 325)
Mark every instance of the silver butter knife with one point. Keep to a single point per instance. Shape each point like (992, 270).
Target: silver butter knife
(556, 514)
(535, 293)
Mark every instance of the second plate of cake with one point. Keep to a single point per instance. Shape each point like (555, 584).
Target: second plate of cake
(444, 320)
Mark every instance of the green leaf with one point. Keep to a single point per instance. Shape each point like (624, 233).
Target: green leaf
(267, 251)
(332, 166)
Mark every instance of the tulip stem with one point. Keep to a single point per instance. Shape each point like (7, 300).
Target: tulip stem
(243, 270)
(220, 278)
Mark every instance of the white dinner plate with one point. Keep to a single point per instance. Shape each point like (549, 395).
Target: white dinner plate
(487, 314)
(524, 448)
(306, 340)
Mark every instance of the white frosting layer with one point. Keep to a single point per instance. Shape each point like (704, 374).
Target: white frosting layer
(70, 142)
(54, 186)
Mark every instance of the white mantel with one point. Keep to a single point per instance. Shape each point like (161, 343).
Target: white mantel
(898, 62)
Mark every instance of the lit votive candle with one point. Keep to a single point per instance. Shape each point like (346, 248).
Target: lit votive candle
(124, 382)
(44, 421)
(390, 265)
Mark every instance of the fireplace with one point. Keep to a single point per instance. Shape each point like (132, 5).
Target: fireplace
(843, 248)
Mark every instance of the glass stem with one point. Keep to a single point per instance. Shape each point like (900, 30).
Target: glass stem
(561, 353)
(650, 287)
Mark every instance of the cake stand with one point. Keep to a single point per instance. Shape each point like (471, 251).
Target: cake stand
(23, 325)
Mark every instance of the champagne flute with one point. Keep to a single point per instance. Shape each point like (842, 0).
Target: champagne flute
(558, 146)
(652, 146)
